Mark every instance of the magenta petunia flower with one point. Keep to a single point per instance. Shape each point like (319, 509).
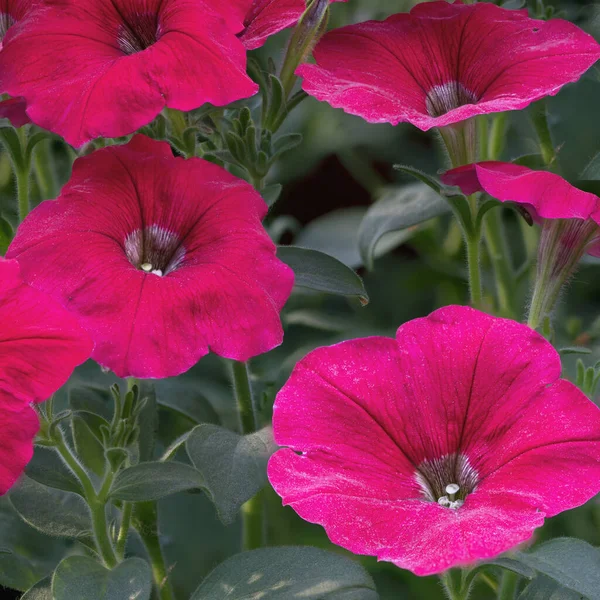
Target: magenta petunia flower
(40, 345)
(447, 445)
(546, 196)
(443, 63)
(162, 258)
(263, 18)
(92, 68)
(40, 342)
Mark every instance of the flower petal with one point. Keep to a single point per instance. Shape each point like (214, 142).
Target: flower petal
(17, 431)
(40, 343)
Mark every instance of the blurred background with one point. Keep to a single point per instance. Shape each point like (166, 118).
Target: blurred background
(329, 182)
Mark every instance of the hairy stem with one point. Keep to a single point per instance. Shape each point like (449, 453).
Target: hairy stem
(95, 501)
(146, 518)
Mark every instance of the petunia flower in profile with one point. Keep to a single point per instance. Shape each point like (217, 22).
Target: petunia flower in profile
(92, 68)
(40, 345)
(263, 18)
(443, 63)
(570, 220)
(447, 445)
(161, 258)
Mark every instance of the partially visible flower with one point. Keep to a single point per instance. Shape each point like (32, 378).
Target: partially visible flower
(14, 109)
(162, 259)
(445, 446)
(570, 220)
(263, 18)
(444, 63)
(92, 68)
(17, 432)
(40, 342)
(12, 11)
(40, 345)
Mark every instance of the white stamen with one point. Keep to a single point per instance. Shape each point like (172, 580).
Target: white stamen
(147, 267)
(452, 488)
(157, 272)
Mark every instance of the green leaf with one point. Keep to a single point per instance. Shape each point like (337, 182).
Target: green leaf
(93, 399)
(6, 235)
(532, 161)
(47, 468)
(574, 350)
(398, 209)
(82, 578)
(572, 563)
(234, 466)
(591, 186)
(318, 271)
(16, 572)
(336, 234)
(592, 170)
(88, 447)
(51, 511)
(34, 555)
(285, 573)
(271, 193)
(42, 590)
(504, 563)
(154, 480)
(544, 588)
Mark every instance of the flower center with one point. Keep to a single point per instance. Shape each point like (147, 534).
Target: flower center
(448, 96)
(447, 480)
(6, 22)
(138, 32)
(154, 250)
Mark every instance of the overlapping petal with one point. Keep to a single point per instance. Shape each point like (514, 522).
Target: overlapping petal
(14, 109)
(263, 18)
(90, 68)
(460, 395)
(544, 194)
(40, 342)
(434, 67)
(161, 258)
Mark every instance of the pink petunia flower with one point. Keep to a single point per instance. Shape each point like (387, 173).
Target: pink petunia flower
(92, 68)
(263, 18)
(570, 220)
(445, 446)
(444, 63)
(546, 196)
(40, 345)
(12, 11)
(162, 258)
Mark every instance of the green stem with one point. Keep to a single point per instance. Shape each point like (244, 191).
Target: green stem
(243, 395)
(146, 516)
(44, 173)
(452, 582)
(22, 176)
(501, 261)
(497, 139)
(253, 513)
(473, 242)
(539, 117)
(124, 529)
(97, 504)
(508, 586)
